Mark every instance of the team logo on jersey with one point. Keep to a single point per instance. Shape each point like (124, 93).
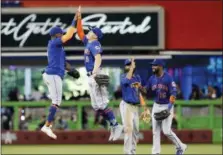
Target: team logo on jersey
(86, 51)
(97, 47)
(174, 84)
(159, 86)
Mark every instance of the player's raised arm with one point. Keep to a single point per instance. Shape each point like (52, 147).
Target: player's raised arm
(80, 31)
(131, 69)
(70, 31)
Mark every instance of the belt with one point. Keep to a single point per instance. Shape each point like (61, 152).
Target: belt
(132, 103)
(161, 103)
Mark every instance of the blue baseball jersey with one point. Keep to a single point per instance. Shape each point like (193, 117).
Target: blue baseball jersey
(130, 93)
(162, 88)
(56, 58)
(91, 50)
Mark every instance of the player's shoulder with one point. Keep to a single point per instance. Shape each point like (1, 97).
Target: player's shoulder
(152, 77)
(123, 75)
(167, 75)
(96, 43)
(55, 41)
(138, 76)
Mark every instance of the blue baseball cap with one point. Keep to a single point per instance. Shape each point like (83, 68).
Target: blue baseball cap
(158, 62)
(56, 30)
(128, 62)
(96, 31)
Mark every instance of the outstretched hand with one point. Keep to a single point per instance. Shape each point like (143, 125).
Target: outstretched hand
(79, 12)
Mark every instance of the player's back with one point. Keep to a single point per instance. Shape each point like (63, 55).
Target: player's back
(56, 58)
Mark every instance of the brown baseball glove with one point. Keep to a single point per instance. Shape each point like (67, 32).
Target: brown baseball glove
(145, 115)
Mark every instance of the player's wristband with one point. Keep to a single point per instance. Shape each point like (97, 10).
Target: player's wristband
(170, 105)
(73, 23)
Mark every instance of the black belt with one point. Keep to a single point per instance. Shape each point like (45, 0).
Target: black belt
(132, 103)
(161, 103)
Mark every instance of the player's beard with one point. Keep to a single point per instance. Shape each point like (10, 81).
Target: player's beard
(156, 71)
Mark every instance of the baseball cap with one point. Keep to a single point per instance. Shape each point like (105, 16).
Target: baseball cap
(158, 62)
(96, 31)
(128, 62)
(56, 30)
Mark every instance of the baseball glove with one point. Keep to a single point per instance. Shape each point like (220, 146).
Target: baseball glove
(145, 116)
(102, 80)
(161, 115)
(74, 73)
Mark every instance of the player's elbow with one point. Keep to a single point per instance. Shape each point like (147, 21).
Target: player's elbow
(80, 35)
(68, 35)
(98, 58)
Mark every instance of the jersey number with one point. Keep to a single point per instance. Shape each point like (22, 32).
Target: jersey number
(162, 95)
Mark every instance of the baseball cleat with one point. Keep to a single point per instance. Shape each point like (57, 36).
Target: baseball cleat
(117, 131)
(48, 131)
(181, 150)
(111, 134)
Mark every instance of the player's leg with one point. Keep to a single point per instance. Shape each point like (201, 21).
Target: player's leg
(166, 127)
(156, 129)
(127, 117)
(54, 84)
(100, 100)
(135, 130)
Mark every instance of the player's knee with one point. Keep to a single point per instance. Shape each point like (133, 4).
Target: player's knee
(167, 132)
(56, 102)
(155, 132)
(128, 130)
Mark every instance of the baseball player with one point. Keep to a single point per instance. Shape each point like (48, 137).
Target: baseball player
(129, 106)
(164, 89)
(97, 80)
(54, 72)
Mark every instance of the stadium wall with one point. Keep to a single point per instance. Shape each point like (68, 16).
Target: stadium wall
(98, 137)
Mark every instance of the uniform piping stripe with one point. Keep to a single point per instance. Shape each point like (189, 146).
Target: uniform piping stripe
(56, 90)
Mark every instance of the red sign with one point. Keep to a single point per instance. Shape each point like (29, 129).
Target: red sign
(188, 25)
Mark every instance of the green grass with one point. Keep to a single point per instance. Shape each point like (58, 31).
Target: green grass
(105, 149)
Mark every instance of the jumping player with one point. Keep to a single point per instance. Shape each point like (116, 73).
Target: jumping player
(129, 106)
(93, 60)
(54, 72)
(164, 89)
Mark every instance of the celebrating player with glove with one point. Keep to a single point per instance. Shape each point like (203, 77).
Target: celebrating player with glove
(129, 106)
(97, 80)
(164, 87)
(55, 71)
